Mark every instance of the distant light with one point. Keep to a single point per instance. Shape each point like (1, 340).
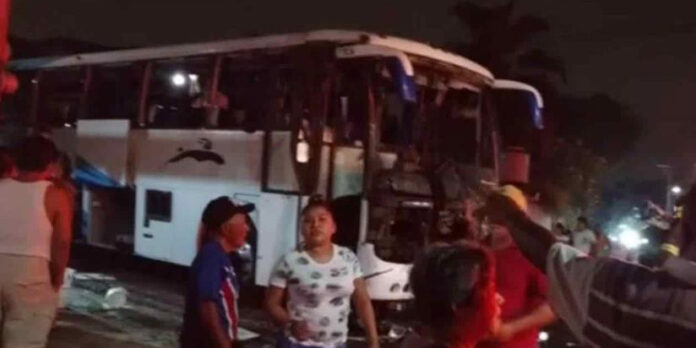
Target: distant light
(543, 336)
(677, 190)
(302, 155)
(630, 238)
(178, 80)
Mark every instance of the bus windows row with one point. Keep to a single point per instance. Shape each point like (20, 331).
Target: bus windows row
(177, 95)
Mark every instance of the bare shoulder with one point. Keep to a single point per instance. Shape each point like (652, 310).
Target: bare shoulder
(57, 190)
(58, 197)
(66, 186)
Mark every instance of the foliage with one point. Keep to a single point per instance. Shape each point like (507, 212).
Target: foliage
(583, 135)
(602, 124)
(500, 40)
(571, 180)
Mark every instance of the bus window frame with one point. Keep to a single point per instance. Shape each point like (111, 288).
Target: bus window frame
(34, 122)
(267, 141)
(144, 92)
(147, 82)
(313, 80)
(488, 110)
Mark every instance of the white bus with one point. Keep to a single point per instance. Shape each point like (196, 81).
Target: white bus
(392, 131)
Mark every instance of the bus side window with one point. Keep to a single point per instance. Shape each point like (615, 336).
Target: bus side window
(248, 94)
(348, 114)
(158, 206)
(177, 94)
(16, 107)
(114, 91)
(60, 91)
(236, 87)
(453, 126)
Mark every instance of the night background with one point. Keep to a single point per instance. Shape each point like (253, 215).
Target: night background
(624, 65)
(637, 52)
(617, 78)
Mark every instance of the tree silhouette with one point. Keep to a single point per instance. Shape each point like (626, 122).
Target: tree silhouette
(601, 124)
(501, 41)
(582, 135)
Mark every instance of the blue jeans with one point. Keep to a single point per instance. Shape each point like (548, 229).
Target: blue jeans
(285, 342)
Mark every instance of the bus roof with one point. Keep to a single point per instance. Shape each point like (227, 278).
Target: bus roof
(341, 37)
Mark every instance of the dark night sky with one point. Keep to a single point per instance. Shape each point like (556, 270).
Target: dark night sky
(640, 52)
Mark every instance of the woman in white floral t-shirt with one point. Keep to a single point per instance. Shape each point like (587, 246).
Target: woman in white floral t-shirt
(319, 280)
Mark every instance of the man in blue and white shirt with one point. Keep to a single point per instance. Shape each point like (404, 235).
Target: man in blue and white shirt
(211, 317)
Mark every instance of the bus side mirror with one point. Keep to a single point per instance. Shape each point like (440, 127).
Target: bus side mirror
(403, 82)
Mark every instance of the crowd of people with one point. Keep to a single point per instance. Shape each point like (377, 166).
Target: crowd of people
(606, 302)
(498, 291)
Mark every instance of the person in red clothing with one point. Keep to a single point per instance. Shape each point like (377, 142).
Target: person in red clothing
(524, 289)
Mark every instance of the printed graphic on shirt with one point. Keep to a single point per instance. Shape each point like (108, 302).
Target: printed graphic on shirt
(319, 293)
(212, 279)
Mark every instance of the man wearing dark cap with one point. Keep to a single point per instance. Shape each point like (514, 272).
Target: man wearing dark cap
(211, 317)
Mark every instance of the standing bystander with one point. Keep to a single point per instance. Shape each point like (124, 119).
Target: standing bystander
(35, 235)
(524, 288)
(319, 281)
(211, 317)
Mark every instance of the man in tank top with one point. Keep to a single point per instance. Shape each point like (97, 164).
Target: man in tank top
(35, 235)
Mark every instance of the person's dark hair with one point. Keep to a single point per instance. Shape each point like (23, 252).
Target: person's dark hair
(216, 213)
(583, 220)
(316, 201)
(454, 291)
(35, 154)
